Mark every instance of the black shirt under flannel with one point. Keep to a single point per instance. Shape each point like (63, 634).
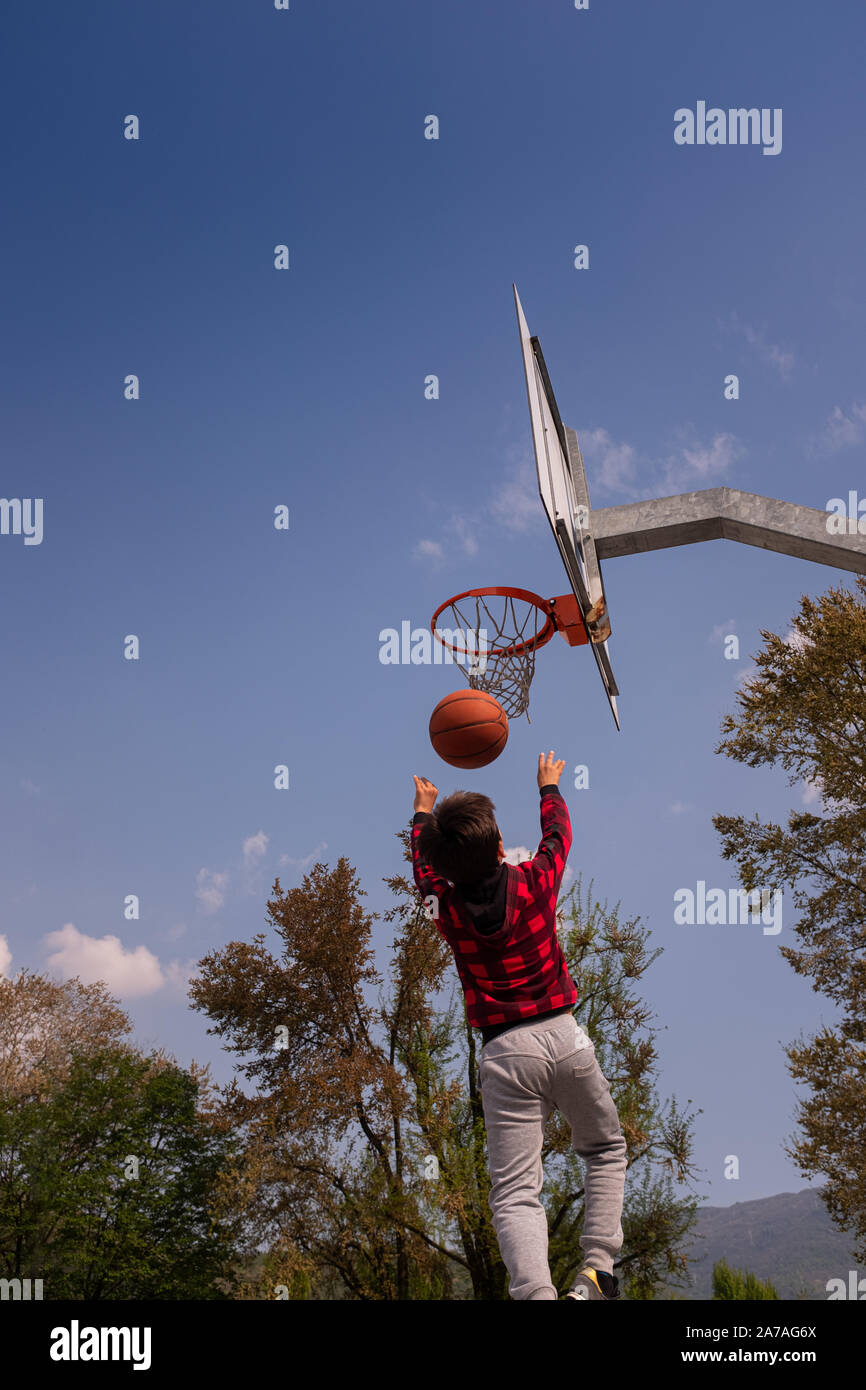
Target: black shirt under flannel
(519, 970)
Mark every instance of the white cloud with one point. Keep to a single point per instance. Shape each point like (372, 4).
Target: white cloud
(516, 504)
(680, 808)
(254, 848)
(429, 550)
(797, 640)
(465, 534)
(841, 430)
(784, 361)
(813, 792)
(460, 534)
(178, 975)
(286, 860)
(209, 889)
(5, 956)
(125, 972)
(770, 353)
(814, 795)
(723, 630)
(612, 466)
(615, 466)
(701, 463)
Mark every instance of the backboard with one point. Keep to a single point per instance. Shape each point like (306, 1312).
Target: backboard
(565, 496)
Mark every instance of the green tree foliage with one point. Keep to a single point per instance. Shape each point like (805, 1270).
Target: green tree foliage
(739, 1284)
(71, 1118)
(805, 712)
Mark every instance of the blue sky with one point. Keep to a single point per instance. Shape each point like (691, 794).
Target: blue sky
(306, 388)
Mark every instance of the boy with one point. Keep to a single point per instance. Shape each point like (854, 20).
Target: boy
(500, 921)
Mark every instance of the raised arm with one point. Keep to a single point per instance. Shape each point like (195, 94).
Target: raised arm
(427, 881)
(548, 864)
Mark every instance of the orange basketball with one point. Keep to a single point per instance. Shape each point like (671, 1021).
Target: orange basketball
(468, 728)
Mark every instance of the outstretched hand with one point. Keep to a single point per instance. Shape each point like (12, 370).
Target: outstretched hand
(425, 794)
(549, 769)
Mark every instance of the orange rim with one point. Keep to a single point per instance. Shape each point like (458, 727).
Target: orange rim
(516, 648)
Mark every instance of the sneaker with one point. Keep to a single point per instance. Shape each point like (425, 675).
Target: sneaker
(595, 1284)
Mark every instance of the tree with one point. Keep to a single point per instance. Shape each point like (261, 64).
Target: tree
(324, 1180)
(805, 712)
(739, 1284)
(42, 1023)
(365, 1151)
(74, 1111)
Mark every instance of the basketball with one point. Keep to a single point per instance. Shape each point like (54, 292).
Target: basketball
(468, 728)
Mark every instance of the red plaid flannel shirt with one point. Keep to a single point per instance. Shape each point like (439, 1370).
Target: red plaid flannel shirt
(519, 970)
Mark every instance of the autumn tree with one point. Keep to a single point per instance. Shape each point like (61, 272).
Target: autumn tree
(42, 1023)
(804, 711)
(365, 1150)
(326, 1182)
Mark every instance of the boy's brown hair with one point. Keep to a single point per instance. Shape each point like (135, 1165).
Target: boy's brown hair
(460, 838)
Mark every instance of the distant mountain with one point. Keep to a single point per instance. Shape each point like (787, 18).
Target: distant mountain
(788, 1239)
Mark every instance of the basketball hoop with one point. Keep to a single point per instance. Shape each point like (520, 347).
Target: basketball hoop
(497, 633)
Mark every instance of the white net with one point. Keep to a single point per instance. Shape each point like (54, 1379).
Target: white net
(496, 636)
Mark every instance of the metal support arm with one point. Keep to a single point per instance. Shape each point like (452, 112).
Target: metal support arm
(725, 513)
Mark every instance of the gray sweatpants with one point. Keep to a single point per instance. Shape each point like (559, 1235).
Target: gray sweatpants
(525, 1074)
